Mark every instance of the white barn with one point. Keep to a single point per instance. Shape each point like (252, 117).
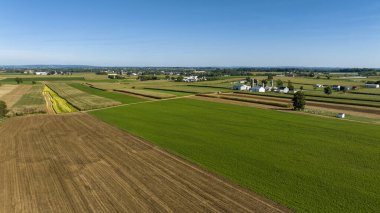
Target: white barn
(258, 89)
(241, 87)
(372, 85)
(282, 90)
(41, 73)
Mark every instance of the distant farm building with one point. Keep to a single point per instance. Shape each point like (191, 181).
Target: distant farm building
(29, 72)
(258, 89)
(318, 86)
(112, 76)
(240, 86)
(341, 115)
(372, 86)
(41, 73)
(282, 90)
(190, 79)
(335, 87)
(345, 88)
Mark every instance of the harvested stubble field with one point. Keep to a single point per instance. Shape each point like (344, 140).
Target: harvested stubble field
(31, 102)
(121, 97)
(69, 163)
(79, 99)
(5, 89)
(12, 97)
(308, 163)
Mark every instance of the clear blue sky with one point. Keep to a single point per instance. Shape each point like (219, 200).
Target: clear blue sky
(191, 32)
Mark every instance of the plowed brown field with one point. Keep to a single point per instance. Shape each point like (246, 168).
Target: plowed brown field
(75, 163)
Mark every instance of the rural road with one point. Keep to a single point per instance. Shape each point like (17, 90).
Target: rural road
(76, 163)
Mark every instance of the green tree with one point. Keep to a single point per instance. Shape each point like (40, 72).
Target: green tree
(3, 109)
(301, 88)
(328, 90)
(18, 80)
(179, 79)
(270, 77)
(290, 85)
(299, 101)
(280, 83)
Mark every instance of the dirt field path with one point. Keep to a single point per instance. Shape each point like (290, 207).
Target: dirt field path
(49, 106)
(75, 163)
(13, 96)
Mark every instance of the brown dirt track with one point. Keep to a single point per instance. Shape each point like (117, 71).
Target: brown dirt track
(75, 163)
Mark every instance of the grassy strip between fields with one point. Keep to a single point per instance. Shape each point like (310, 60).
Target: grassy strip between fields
(248, 100)
(365, 93)
(146, 93)
(171, 90)
(59, 104)
(210, 86)
(92, 86)
(343, 98)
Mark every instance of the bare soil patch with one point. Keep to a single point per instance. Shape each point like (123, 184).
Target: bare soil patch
(76, 163)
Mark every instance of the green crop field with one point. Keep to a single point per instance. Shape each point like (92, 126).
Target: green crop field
(307, 163)
(122, 98)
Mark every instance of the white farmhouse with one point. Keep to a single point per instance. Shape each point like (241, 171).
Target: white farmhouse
(258, 89)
